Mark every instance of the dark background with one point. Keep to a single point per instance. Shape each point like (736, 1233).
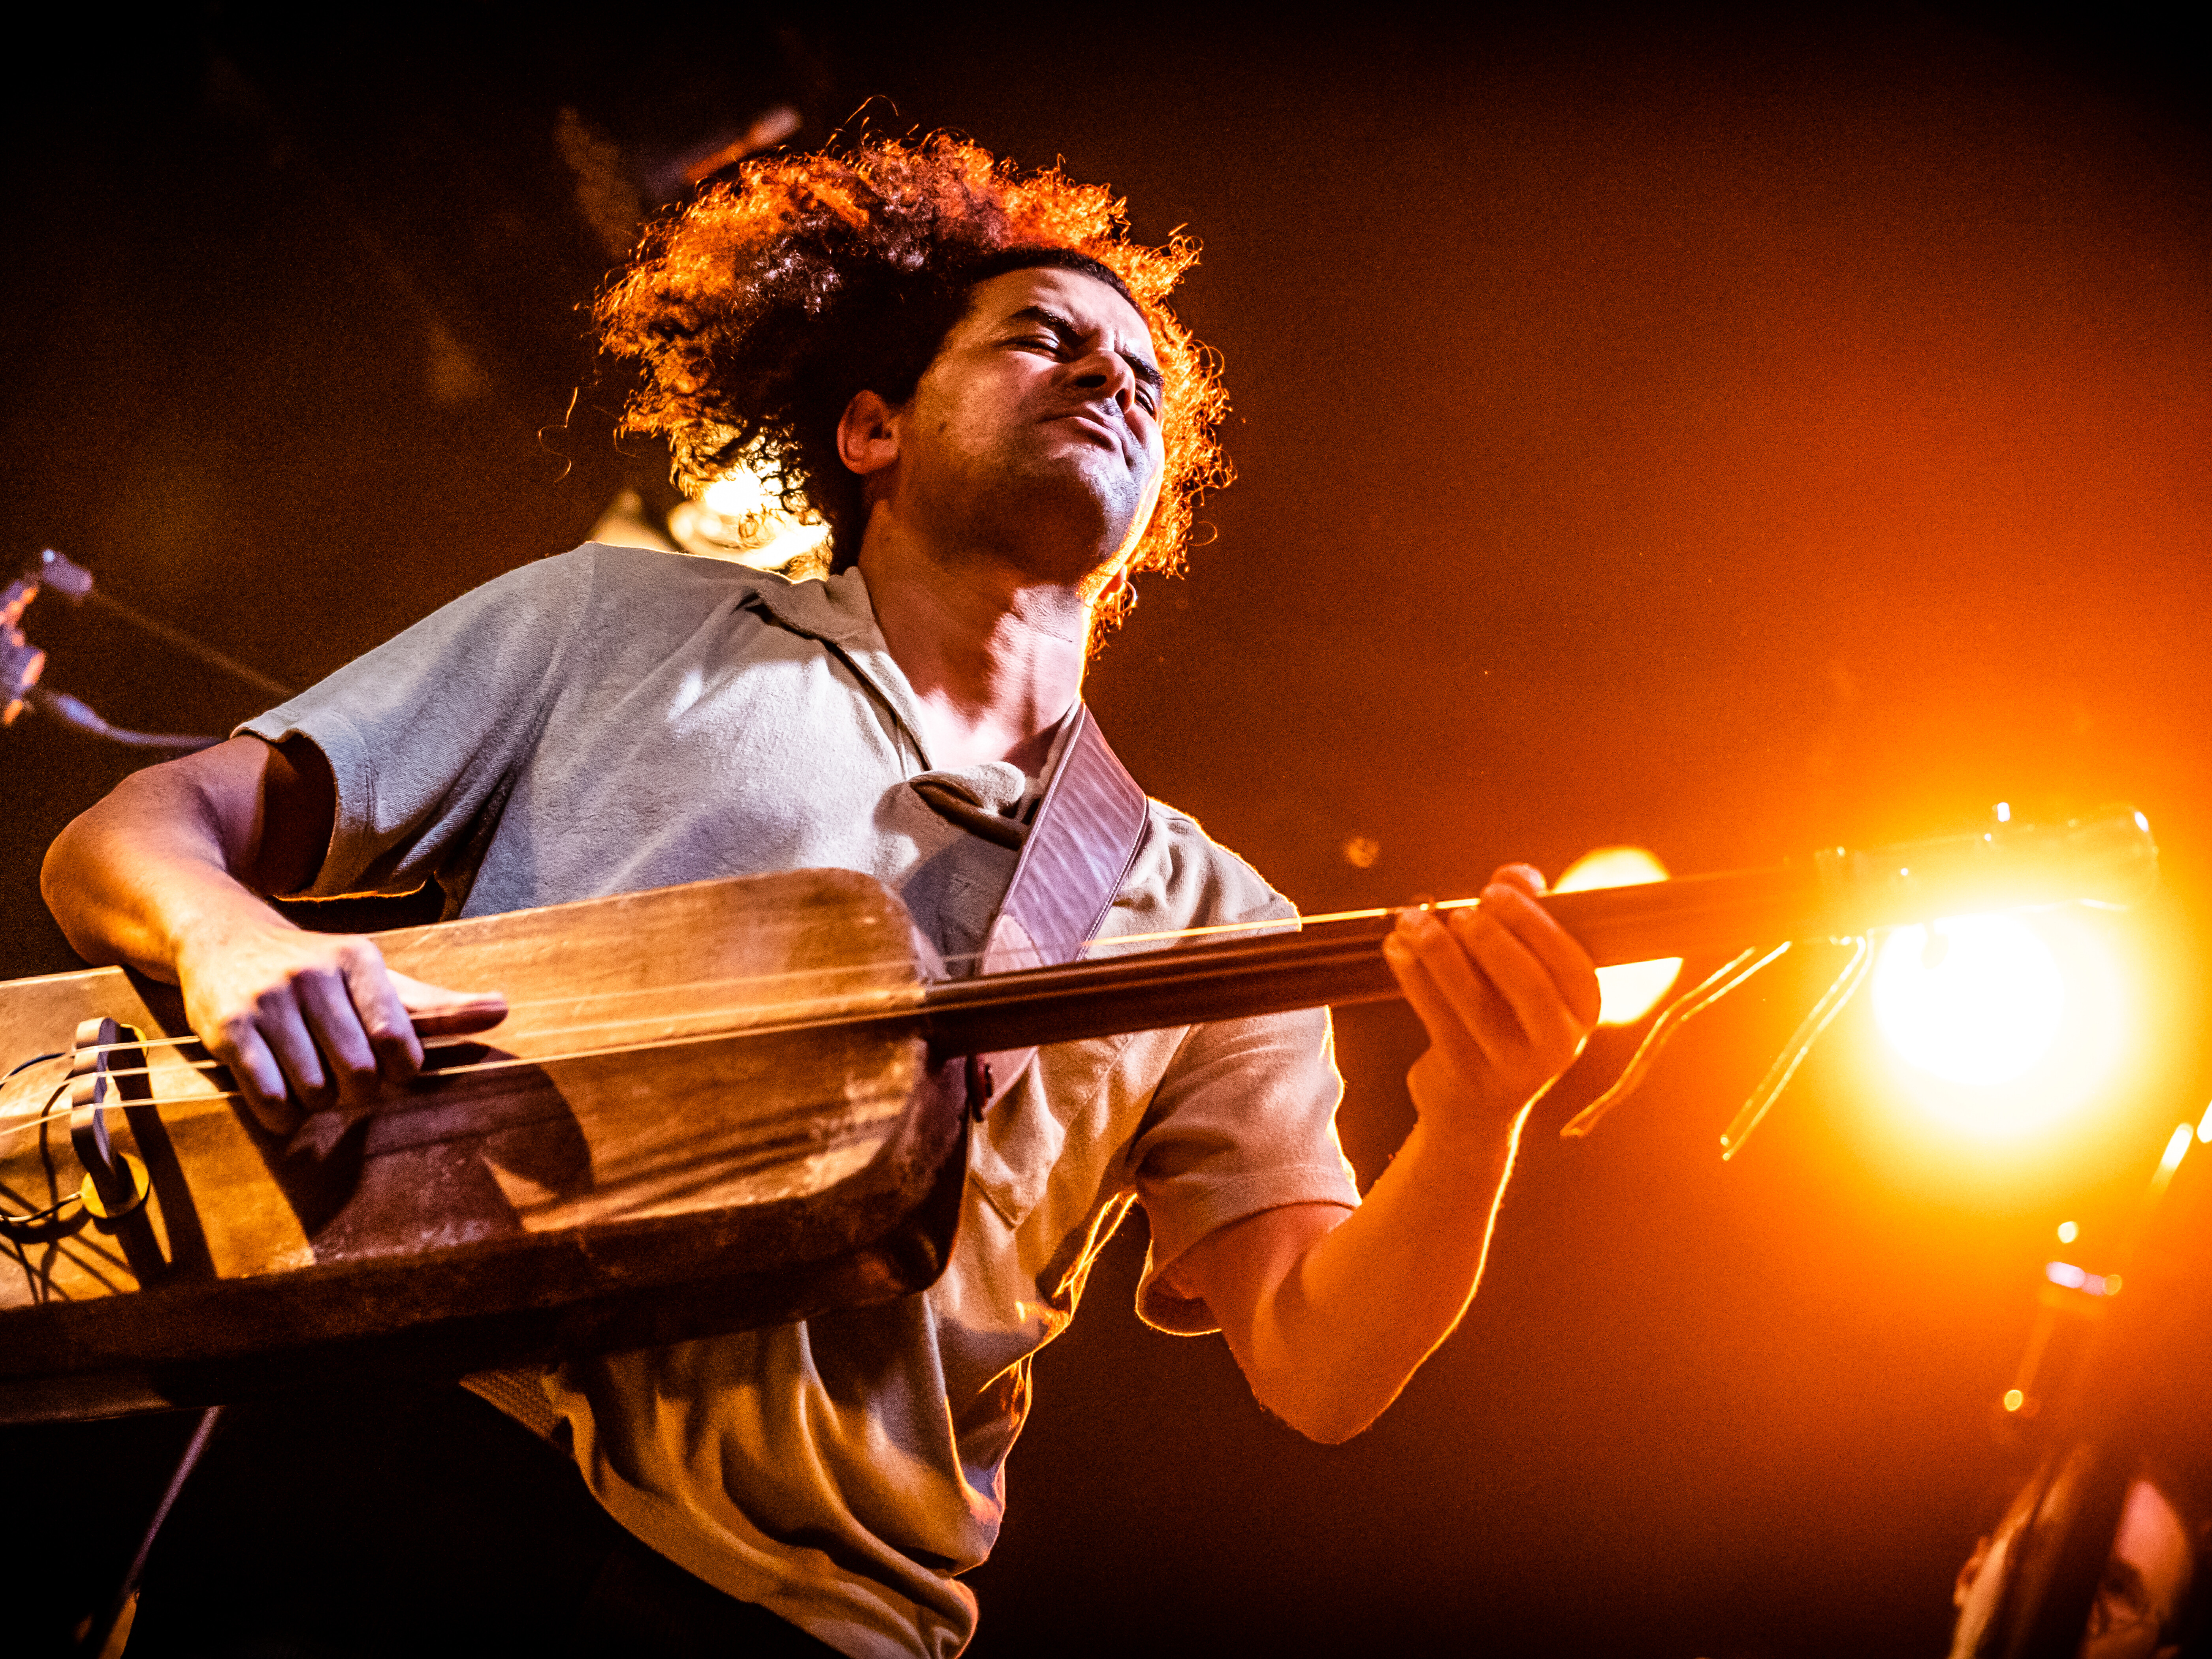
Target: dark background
(1730, 433)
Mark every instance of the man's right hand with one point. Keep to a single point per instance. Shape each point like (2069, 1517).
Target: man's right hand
(315, 1019)
(163, 874)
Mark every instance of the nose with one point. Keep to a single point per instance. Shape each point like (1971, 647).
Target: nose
(1105, 372)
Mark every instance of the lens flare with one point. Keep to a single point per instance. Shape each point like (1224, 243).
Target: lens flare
(1630, 989)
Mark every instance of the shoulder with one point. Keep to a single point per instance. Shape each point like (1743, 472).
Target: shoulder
(628, 575)
(1182, 877)
(610, 569)
(637, 580)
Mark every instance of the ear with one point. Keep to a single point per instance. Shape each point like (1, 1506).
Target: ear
(867, 434)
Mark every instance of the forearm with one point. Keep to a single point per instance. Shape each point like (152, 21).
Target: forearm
(1348, 1325)
(150, 870)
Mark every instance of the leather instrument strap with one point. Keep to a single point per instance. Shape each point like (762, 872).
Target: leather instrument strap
(1081, 844)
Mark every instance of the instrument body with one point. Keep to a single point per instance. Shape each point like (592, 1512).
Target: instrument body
(677, 1130)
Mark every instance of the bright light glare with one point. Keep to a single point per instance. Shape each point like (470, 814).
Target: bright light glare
(2175, 1148)
(1630, 989)
(2013, 1400)
(736, 517)
(2001, 1025)
(2074, 1278)
(2067, 1232)
(2204, 1126)
(1980, 1005)
(734, 494)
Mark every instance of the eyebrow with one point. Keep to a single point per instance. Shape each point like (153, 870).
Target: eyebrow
(1070, 333)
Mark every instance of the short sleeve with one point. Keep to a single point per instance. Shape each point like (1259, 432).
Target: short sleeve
(1244, 1121)
(422, 734)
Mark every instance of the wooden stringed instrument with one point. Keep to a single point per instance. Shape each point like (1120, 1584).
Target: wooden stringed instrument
(709, 1108)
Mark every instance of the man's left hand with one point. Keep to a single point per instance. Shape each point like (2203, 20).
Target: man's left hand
(1507, 995)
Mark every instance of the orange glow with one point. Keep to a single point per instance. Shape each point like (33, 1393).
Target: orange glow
(1630, 989)
(2067, 1232)
(2204, 1124)
(2013, 1400)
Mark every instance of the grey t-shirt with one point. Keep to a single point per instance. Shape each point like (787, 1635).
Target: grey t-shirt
(615, 719)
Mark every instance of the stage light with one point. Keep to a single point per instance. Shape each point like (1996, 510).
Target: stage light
(1630, 989)
(1999, 1026)
(2013, 1400)
(2067, 1232)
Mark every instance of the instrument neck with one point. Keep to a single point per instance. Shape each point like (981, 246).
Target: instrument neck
(1339, 962)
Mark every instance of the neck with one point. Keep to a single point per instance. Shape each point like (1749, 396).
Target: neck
(994, 654)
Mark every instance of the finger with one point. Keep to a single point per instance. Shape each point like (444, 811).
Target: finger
(1562, 956)
(1487, 1016)
(435, 1011)
(335, 1028)
(276, 1017)
(1526, 876)
(376, 1002)
(254, 1069)
(1447, 1029)
(1544, 1030)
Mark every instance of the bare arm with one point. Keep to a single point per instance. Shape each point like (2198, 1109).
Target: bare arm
(1328, 1314)
(163, 875)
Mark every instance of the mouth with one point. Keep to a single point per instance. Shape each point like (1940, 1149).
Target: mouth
(1094, 427)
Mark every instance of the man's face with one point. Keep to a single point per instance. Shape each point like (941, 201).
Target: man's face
(1035, 432)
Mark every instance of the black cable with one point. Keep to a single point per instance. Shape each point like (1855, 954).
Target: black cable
(185, 642)
(10, 1221)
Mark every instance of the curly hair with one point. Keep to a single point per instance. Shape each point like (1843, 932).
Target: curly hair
(760, 309)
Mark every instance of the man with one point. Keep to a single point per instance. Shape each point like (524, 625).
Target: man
(974, 378)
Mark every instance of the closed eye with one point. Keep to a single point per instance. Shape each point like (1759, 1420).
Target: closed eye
(1060, 337)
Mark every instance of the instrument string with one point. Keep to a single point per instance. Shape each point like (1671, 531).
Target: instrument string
(1162, 937)
(507, 1063)
(742, 981)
